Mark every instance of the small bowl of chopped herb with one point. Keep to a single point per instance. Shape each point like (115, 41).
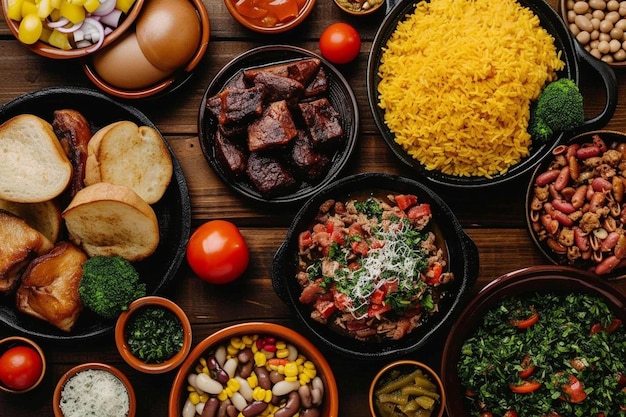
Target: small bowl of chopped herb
(154, 335)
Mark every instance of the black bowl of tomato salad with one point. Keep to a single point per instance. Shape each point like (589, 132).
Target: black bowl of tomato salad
(540, 341)
(375, 266)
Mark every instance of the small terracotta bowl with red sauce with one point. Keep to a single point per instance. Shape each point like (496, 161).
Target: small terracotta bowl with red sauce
(264, 17)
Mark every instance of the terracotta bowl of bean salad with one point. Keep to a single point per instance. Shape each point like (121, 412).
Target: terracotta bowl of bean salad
(375, 266)
(251, 369)
(575, 210)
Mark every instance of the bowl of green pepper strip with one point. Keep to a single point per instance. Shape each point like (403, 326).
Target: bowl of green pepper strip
(153, 335)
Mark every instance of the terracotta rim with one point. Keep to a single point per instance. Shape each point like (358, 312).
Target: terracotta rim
(132, 399)
(49, 51)
(306, 10)
(361, 12)
(124, 350)
(331, 400)
(12, 341)
(416, 364)
(165, 85)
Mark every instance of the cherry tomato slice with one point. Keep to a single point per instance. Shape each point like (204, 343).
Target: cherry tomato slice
(527, 322)
(525, 387)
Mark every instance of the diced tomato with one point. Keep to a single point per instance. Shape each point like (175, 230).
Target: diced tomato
(376, 310)
(338, 236)
(573, 390)
(341, 300)
(377, 244)
(433, 275)
(595, 328)
(325, 308)
(310, 293)
(305, 239)
(525, 387)
(359, 247)
(419, 211)
(404, 201)
(378, 296)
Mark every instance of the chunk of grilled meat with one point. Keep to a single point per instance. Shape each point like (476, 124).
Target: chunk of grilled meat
(274, 128)
(49, 288)
(19, 244)
(302, 70)
(74, 133)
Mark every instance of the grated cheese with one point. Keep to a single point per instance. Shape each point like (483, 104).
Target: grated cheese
(394, 256)
(94, 392)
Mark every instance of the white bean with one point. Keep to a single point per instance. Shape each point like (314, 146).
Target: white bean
(284, 387)
(230, 366)
(220, 355)
(293, 353)
(208, 384)
(244, 388)
(189, 410)
(238, 401)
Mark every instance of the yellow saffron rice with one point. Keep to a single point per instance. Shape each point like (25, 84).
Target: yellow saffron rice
(457, 80)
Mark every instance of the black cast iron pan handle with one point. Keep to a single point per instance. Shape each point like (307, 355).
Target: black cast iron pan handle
(610, 88)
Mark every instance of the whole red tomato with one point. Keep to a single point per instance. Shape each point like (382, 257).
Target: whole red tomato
(20, 367)
(217, 252)
(340, 43)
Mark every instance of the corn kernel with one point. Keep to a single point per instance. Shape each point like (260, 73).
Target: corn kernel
(233, 385)
(280, 345)
(194, 398)
(291, 378)
(236, 342)
(260, 359)
(282, 353)
(232, 350)
(258, 394)
(304, 379)
(268, 396)
(291, 369)
(247, 340)
(204, 397)
(222, 396)
(190, 388)
(253, 380)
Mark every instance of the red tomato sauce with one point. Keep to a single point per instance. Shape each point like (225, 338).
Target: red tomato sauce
(269, 13)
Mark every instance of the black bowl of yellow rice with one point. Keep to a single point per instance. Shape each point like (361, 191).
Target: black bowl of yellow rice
(450, 84)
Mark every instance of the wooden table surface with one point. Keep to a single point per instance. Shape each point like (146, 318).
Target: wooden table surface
(494, 220)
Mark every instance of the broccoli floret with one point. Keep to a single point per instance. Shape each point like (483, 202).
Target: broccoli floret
(559, 107)
(537, 128)
(109, 285)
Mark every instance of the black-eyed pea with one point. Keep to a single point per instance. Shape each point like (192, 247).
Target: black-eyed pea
(597, 4)
(612, 5)
(581, 36)
(583, 22)
(612, 16)
(580, 7)
(620, 55)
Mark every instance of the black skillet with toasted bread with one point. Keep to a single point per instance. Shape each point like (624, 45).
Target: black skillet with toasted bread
(157, 265)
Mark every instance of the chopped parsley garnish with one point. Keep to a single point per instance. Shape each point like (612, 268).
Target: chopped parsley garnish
(154, 334)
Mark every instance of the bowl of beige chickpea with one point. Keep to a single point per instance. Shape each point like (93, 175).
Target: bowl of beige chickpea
(599, 26)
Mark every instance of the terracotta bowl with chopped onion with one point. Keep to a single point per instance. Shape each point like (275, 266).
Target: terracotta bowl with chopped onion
(80, 32)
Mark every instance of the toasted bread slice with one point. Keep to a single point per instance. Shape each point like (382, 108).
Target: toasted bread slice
(34, 166)
(131, 155)
(109, 219)
(19, 244)
(44, 217)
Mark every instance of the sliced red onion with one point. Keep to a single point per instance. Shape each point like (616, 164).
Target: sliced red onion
(100, 30)
(106, 6)
(57, 24)
(70, 29)
(112, 19)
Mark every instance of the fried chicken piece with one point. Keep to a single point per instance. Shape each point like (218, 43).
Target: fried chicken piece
(19, 244)
(49, 288)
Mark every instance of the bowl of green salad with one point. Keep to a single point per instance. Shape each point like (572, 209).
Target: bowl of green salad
(539, 341)
(153, 335)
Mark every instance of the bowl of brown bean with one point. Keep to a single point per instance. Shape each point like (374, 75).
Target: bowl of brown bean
(575, 208)
(254, 369)
(599, 26)
(406, 388)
